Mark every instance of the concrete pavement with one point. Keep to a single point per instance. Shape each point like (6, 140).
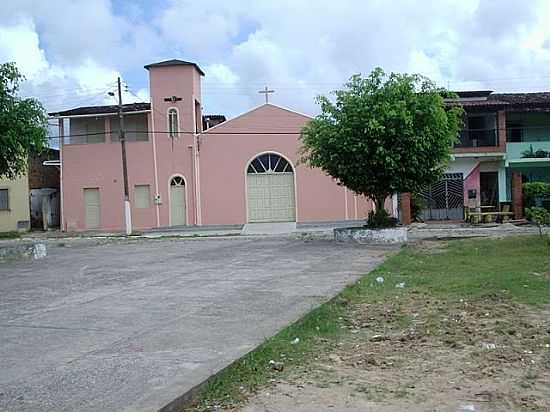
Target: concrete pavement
(133, 325)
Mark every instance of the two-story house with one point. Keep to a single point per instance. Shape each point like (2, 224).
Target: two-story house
(505, 142)
(185, 168)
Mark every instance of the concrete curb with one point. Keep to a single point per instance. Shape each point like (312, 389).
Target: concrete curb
(363, 235)
(23, 250)
(187, 399)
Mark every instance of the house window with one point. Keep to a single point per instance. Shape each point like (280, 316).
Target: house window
(142, 196)
(269, 163)
(515, 132)
(4, 199)
(86, 130)
(173, 126)
(135, 126)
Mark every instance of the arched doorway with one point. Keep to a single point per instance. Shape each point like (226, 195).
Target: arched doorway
(178, 212)
(270, 189)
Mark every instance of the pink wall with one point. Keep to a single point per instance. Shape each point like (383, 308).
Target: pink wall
(174, 156)
(227, 149)
(100, 165)
(472, 182)
(220, 164)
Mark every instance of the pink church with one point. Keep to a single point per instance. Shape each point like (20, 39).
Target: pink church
(188, 169)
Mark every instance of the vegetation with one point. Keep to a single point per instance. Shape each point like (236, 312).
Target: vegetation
(417, 204)
(535, 154)
(384, 134)
(10, 235)
(473, 270)
(274, 355)
(23, 124)
(379, 219)
(533, 190)
(538, 215)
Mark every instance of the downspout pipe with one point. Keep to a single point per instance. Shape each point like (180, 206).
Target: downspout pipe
(61, 144)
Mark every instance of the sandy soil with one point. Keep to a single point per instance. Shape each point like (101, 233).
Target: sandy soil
(422, 354)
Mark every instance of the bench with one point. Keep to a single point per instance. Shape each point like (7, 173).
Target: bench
(488, 217)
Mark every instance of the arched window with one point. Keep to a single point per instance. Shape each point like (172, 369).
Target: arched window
(269, 163)
(173, 125)
(177, 181)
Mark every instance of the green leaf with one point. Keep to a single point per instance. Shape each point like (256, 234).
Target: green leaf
(23, 124)
(383, 134)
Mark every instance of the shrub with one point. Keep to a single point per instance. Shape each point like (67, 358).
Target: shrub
(380, 219)
(417, 204)
(538, 215)
(533, 190)
(541, 154)
(531, 153)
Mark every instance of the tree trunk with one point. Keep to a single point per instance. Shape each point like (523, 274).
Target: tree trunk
(379, 202)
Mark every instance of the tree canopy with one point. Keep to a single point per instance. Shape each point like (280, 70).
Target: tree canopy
(23, 124)
(383, 134)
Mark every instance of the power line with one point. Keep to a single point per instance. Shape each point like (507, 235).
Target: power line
(218, 88)
(71, 92)
(168, 132)
(248, 132)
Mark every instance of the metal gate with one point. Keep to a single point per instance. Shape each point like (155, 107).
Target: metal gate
(444, 200)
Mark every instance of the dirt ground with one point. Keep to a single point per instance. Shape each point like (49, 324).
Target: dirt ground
(421, 354)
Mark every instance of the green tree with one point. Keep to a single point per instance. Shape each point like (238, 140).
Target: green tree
(23, 124)
(384, 134)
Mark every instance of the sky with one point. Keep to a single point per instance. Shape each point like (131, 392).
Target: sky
(71, 51)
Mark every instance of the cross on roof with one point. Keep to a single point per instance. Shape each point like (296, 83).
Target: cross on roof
(266, 91)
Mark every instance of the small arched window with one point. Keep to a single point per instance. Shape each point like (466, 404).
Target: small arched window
(173, 125)
(177, 181)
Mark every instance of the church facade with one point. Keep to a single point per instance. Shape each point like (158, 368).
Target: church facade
(188, 169)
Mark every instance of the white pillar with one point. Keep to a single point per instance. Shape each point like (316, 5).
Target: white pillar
(395, 206)
(128, 217)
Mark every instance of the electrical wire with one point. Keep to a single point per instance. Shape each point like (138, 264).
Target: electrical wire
(81, 91)
(248, 132)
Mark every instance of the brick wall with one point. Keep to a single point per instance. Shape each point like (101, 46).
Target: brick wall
(41, 176)
(406, 208)
(517, 195)
(501, 125)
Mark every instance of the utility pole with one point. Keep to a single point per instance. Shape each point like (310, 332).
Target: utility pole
(122, 138)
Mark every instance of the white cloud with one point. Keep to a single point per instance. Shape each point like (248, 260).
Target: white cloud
(19, 43)
(221, 74)
(297, 47)
(197, 28)
(56, 86)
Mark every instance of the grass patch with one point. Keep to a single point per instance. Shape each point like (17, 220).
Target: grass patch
(318, 327)
(475, 269)
(469, 269)
(10, 235)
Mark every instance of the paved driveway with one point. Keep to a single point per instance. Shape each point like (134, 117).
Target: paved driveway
(132, 326)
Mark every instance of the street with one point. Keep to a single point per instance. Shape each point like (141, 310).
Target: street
(134, 325)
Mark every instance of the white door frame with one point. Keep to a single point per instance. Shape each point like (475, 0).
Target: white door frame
(170, 200)
(246, 181)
